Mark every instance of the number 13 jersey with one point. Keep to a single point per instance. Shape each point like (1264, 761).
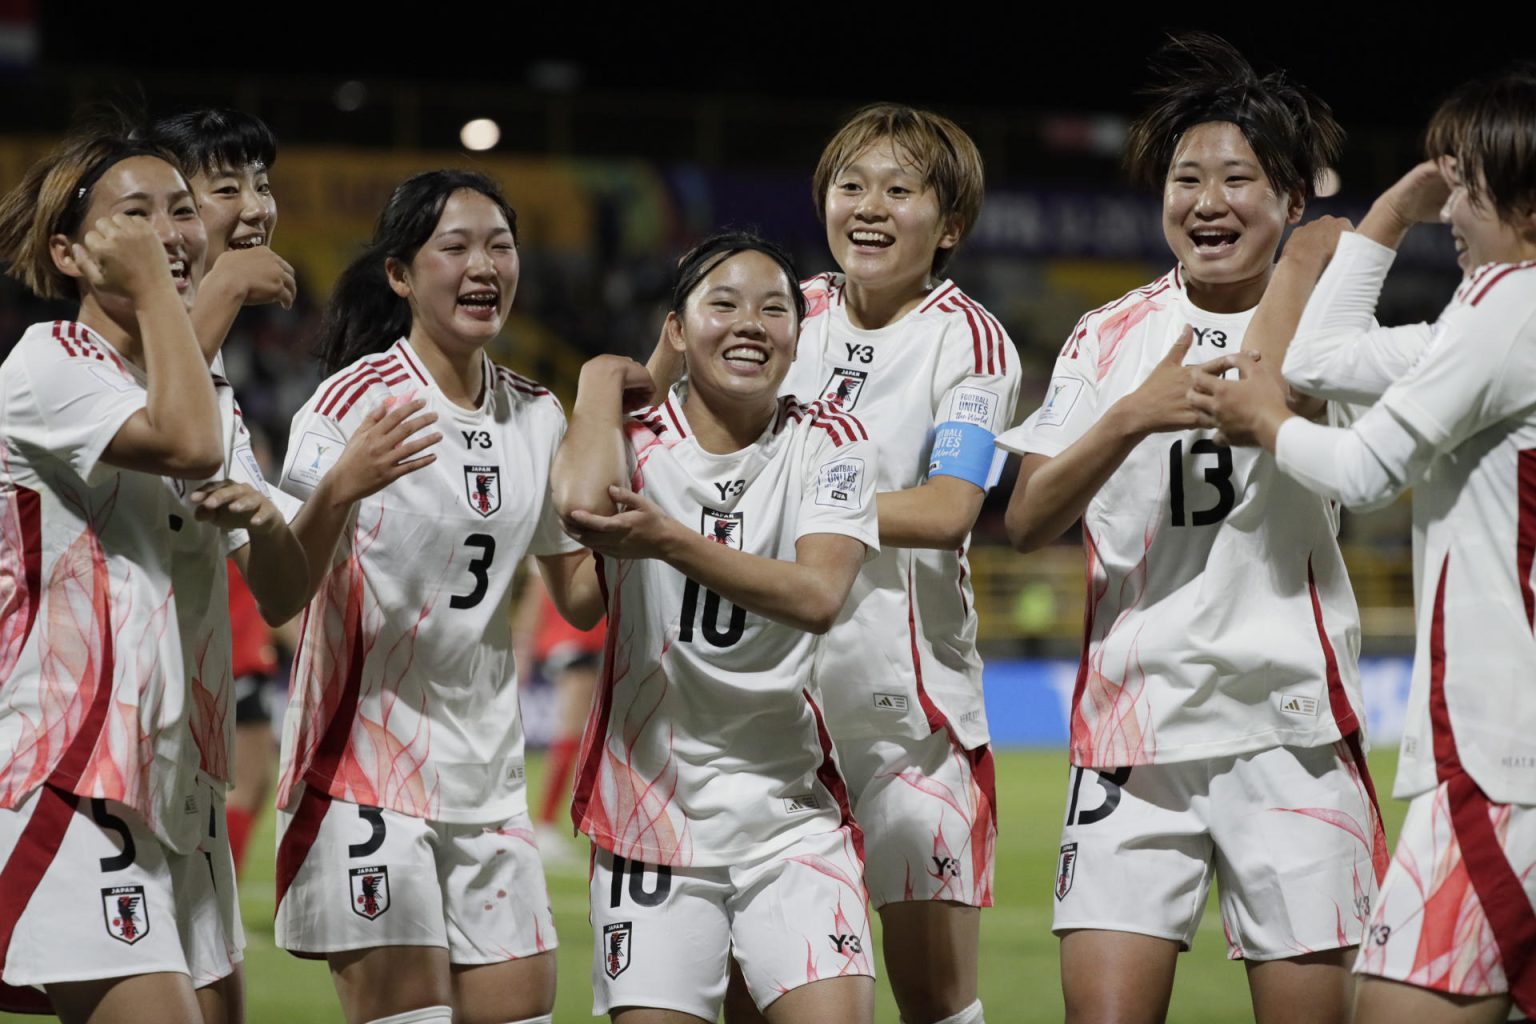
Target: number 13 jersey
(1219, 615)
(404, 689)
(706, 745)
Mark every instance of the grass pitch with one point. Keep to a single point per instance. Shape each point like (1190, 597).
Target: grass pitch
(1019, 980)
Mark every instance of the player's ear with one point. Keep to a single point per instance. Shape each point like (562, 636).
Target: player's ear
(399, 277)
(1295, 206)
(674, 333)
(61, 251)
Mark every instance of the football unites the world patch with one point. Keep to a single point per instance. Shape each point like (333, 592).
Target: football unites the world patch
(1066, 867)
(616, 942)
(126, 912)
(844, 387)
(722, 527)
(482, 486)
(370, 891)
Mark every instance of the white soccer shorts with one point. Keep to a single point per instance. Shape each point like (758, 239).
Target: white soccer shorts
(89, 892)
(355, 877)
(1455, 913)
(929, 814)
(1292, 835)
(663, 934)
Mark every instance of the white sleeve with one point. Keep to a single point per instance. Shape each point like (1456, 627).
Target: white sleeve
(979, 391)
(1363, 467)
(1339, 352)
(838, 494)
(69, 405)
(315, 442)
(1071, 403)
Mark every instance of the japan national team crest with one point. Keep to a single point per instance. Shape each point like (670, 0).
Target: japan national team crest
(126, 913)
(844, 387)
(1066, 867)
(722, 527)
(616, 942)
(370, 891)
(482, 485)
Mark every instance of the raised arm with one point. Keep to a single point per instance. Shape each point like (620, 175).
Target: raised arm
(238, 278)
(593, 457)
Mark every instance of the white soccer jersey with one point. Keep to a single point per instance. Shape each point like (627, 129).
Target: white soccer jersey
(404, 689)
(114, 647)
(903, 653)
(1219, 618)
(1470, 402)
(706, 745)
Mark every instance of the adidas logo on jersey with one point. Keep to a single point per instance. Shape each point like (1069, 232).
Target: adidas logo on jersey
(803, 802)
(1293, 705)
(890, 702)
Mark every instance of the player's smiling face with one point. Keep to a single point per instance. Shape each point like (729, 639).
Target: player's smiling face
(1480, 235)
(738, 330)
(148, 187)
(1222, 217)
(237, 207)
(461, 282)
(884, 222)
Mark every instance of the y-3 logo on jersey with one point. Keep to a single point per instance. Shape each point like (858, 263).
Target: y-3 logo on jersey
(1211, 336)
(476, 438)
(844, 387)
(731, 489)
(482, 486)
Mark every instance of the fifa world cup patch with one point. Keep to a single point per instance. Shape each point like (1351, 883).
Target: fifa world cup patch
(370, 891)
(126, 912)
(839, 484)
(843, 388)
(1060, 397)
(482, 486)
(722, 527)
(1066, 867)
(316, 454)
(616, 942)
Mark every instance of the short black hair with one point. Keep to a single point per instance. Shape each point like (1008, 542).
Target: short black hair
(697, 262)
(1200, 78)
(1489, 126)
(213, 139)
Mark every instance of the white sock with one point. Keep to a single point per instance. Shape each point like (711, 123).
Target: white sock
(425, 1015)
(970, 1015)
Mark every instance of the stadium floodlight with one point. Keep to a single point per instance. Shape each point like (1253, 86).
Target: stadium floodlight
(481, 133)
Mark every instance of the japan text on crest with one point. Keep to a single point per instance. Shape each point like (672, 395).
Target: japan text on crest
(616, 942)
(482, 485)
(1066, 867)
(370, 891)
(126, 912)
(844, 387)
(722, 527)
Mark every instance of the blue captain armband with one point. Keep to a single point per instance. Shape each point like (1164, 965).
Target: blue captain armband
(967, 451)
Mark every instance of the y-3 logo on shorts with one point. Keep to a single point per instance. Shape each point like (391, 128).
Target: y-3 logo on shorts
(616, 942)
(946, 866)
(847, 945)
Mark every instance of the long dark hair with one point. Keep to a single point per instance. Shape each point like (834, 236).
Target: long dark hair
(697, 262)
(364, 314)
(1198, 78)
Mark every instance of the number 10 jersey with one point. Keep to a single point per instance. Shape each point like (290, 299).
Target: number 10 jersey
(1219, 616)
(404, 690)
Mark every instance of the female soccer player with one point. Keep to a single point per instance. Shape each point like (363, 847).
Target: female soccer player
(406, 857)
(1216, 722)
(227, 155)
(1453, 936)
(731, 524)
(116, 890)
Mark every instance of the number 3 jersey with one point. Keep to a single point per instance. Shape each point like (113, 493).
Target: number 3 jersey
(1219, 615)
(706, 744)
(404, 687)
(903, 653)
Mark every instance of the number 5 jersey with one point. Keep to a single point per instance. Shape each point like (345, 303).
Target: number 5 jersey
(706, 746)
(404, 688)
(1219, 617)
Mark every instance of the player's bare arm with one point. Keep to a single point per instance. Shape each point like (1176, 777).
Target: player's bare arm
(807, 593)
(938, 513)
(176, 434)
(1415, 198)
(391, 442)
(273, 563)
(592, 456)
(571, 580)
(1051, 493)
(238, 278)
(1269, 334)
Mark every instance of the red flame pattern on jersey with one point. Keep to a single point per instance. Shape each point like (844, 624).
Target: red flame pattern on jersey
(1114, 329)
(209, 712)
